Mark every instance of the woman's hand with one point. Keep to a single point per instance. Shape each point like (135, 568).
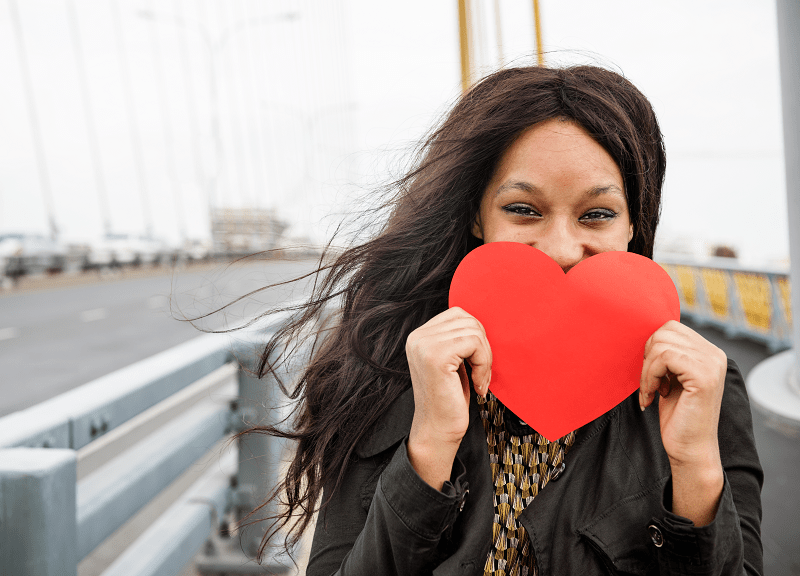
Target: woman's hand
(436, 352)
(689, 373)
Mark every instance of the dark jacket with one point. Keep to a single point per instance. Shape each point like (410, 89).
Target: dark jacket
(607, 513)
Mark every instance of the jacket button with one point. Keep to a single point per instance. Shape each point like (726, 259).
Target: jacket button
(463, 499)
(556, 473)
(655, 535)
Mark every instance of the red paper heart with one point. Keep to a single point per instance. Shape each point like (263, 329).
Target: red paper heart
(566, 348)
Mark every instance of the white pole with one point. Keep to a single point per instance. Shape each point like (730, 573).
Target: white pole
(789, 48)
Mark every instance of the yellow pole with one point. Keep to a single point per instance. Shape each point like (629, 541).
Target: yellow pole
(538, 25)
(463, 34)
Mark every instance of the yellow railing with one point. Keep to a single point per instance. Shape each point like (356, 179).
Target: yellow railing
(743, 301)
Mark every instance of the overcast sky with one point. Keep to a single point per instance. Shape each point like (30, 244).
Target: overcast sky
(710, 68)
(362, 80)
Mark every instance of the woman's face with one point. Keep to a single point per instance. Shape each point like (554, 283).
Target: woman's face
(557, 190)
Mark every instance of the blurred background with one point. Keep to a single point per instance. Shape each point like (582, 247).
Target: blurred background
(146, 145)
(137, 128)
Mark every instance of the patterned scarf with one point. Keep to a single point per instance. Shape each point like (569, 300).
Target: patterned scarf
(521, 468)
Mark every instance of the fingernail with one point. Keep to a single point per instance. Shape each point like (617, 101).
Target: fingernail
(641, 406)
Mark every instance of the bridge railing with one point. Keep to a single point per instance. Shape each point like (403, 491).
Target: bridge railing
(743, 301)
(75, 468)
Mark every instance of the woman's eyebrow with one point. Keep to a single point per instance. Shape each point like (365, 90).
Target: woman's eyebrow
(531, 189)
(517, 184)
(598, 190)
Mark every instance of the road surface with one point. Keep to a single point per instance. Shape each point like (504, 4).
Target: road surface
(52, 340)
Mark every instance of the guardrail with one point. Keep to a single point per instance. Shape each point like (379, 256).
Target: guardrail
(749, 302)
(75, 468)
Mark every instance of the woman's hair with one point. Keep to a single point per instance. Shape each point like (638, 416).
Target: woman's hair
(393, 283)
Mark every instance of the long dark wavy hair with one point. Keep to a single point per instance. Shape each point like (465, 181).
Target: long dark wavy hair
(396, 281)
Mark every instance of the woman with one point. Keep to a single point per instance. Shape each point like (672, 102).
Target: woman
(415, 467)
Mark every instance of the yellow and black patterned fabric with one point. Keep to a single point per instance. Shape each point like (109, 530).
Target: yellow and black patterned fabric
(521, 467)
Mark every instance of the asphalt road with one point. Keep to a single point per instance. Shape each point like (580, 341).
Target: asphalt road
(52, 340)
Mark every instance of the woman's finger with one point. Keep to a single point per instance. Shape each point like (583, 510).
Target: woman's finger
(451, 315)
(668, 335)
(480, 362)
(462, 374)
(654, 370)
(448, 340)
(667, 383)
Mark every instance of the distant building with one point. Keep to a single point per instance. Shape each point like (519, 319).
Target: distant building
(245, 230)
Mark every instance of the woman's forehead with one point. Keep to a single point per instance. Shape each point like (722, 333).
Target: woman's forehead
(554, 150)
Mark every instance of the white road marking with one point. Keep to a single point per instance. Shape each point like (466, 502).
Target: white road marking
(94, 314)
(8, 333)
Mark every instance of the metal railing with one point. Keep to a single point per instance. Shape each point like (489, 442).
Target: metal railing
(75, 468)
(743, 301)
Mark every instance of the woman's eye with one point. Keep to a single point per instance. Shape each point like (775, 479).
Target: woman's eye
(599, 215)
(521, 209)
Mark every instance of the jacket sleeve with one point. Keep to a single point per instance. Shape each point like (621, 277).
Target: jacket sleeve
(398, 532)
(731, 544)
